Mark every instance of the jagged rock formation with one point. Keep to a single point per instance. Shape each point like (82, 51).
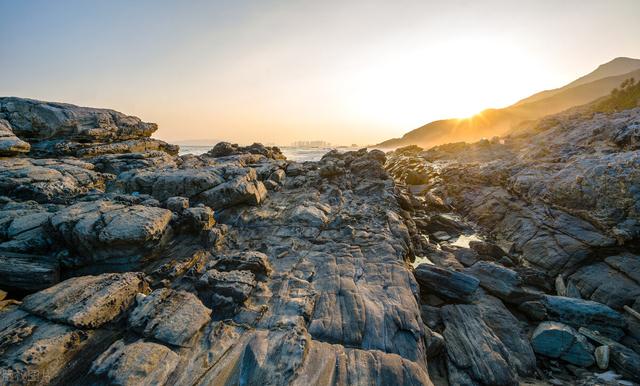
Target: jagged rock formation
(559, 201)
(143, 267)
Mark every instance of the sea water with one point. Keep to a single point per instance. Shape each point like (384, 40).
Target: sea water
(298, 154)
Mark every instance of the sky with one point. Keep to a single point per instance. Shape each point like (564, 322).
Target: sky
(280, 71)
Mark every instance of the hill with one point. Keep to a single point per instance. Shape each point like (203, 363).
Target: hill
(492, 122)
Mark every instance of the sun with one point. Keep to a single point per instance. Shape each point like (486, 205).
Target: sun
(457, 78)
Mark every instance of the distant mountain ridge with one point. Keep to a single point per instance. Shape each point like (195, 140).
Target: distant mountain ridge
(492, 122)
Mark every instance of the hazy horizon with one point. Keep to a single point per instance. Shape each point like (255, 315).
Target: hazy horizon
(338, 71)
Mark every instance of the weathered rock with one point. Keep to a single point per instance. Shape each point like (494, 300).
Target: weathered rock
(510, 332)
(37, 351)
(557, 340)
(501, 282)
(602, 283)
(10, 144)
(434, 343)
(475, 354)
(48, 180)
(450, 284)
(87, 301)
(177, 204)
(169, 316)
(35, 120)
(253, 261)
(487, 249)
(112, 233)
(225, 149)
(225, 289)
(577, 313)
(244, 189)
(198, 219)
(28, 272)
(137, 363)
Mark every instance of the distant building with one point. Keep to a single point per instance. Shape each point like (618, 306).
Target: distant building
(311, 144)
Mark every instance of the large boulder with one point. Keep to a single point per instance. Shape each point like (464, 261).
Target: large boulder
(86, 301)
(169, 316)
(36, 121)
(112, 233)
(557, 340)
(602, 283)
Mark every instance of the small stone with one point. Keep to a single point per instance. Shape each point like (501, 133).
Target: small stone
(177, 204)
(602, 357)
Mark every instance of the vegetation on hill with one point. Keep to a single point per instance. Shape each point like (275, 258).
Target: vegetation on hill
(625, 97)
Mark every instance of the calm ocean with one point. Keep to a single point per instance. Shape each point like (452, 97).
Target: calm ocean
(292, 153)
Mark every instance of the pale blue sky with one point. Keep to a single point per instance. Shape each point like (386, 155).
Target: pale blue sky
(279, 71)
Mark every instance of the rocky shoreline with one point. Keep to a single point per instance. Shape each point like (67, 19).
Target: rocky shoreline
(124, 263)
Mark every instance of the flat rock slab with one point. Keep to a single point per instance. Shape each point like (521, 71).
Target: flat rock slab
(446, 282)
(10, 144)
(169, 316)
(86, 301)
(28, 272)
(137, 363)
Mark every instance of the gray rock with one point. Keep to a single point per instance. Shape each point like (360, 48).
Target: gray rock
(110, 232)
(198, 219)
(35, 121)
(557, 340)
(577, 313)
(448, 283)
(487, 249)
(87, 301)
(10, 144)
(169, 316)
(225, 289)
(137, 363)
(475, 355)
(502, 282)
(48, 180)
(602, 283)
(602, 357)
(28, 272)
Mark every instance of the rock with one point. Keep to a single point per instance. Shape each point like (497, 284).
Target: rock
(475, 355)
(510, 332)
(111, 233)
(309, 215)
(240, 190)
(622, 358)
(255, 262)
(225, 289)
(36, 120)
(28, 272)
(10, 144)
(602, 283)
(434, 343)
(487, 249)
(577, 313)
(448, 283)
(602, 357)
(441, 236)
(557, 340)
(87, 301)
(169, 316)
(177, 204)
(39, 351)
(501, 282)
(48, 180)
(198, 219)
(137, 363)
(225, 149)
